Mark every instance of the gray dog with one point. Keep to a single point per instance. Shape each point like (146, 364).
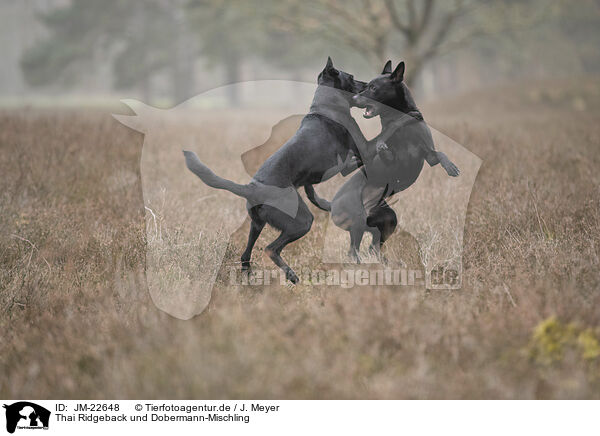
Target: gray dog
(359, 206)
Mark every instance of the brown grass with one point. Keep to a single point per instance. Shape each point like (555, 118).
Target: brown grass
(77, 320)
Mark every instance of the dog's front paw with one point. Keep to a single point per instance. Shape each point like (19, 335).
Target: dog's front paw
(381, 146)
(448, 165)
(355, 161)
(352, 163)
(451, 169)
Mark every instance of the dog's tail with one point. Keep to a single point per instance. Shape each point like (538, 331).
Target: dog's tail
(211, 179)
(321, 203)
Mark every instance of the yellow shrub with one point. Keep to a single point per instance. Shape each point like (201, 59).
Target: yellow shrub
(552, 337)
(588, 342)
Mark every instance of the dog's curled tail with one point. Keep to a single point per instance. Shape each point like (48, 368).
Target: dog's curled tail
(211, 179)
(321, 203)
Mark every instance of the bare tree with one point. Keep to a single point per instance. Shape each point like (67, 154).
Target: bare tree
(414, 30)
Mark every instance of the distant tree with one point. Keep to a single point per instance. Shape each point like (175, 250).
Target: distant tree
(285, 47)
(229, 32)
(72, 40)
(234, 32)
(416, 31)
(156, 38)
(140, 38)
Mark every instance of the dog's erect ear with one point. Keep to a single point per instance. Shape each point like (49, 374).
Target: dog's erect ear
(388, 68)
(398, 74)
(329, 67)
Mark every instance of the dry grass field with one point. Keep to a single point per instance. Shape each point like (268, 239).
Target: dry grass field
(77, 320)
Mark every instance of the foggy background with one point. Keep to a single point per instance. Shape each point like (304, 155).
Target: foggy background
(89, 52)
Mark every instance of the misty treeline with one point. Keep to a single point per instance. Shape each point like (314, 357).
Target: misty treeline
(141, 44)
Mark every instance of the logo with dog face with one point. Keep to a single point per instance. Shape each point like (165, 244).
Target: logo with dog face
(26, 415)
(189, 223)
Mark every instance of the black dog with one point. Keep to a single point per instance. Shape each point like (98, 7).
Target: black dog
(319, 150)
(360, 206)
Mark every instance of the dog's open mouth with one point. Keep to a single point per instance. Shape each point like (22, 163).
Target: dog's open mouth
(370, 111)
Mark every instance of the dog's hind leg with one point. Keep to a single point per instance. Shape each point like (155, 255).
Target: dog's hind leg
(292, 230)
(375, 247)
(356, 236)
(383, 222)
(256, 227)
(387, 223)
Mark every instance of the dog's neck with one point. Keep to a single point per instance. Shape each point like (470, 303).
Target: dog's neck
(334, 104)
(328, 100)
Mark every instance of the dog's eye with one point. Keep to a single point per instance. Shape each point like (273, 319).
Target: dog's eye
(372, 87)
